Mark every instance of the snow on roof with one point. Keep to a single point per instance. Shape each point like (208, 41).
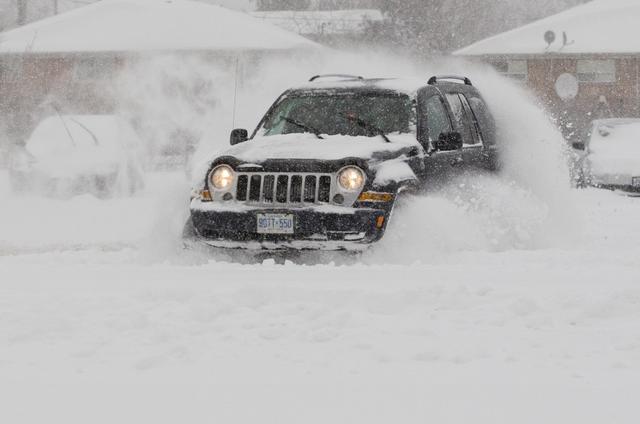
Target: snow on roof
(597, 27)
(149, 25)
(324, 22)
(408, 86)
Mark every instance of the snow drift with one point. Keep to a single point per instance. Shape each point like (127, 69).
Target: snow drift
(528, 206)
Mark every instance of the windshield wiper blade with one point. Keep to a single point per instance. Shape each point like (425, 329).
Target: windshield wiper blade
(368, 126)
(93, 136)
(303, 126)
(64, 124)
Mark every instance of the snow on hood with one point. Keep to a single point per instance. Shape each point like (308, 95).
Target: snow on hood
(308, 146)
(614, 148)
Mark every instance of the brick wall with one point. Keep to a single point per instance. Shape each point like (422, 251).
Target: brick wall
(622, 95)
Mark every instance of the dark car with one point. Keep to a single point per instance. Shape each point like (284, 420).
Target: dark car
(327, 163)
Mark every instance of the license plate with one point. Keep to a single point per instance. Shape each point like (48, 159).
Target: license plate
(275, 224)
(635, 181)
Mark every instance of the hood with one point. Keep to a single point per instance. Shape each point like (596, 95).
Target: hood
(614, 164)
(78, 163)
(309, 147)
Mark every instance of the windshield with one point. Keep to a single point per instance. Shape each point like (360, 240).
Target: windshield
(351, 114)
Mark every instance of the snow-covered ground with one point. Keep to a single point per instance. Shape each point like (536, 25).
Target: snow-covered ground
(500, 299)
(104, 319)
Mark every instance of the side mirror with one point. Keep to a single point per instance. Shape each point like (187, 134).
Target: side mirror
(449, 141)
(578, 145)
(238, 136)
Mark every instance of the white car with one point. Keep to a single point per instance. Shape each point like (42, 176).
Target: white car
(78, 154)
(611, 157)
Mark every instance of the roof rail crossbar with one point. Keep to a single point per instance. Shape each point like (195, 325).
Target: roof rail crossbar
(434, 80)
(343, 76)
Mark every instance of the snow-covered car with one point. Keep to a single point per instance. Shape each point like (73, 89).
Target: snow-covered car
(325, 166)
(76, 154)
(610, 155)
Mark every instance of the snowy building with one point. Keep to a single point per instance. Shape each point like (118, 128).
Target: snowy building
(583, 63)
(72, 58)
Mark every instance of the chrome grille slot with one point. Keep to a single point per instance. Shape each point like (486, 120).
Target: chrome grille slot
(242, 188)
(268, 188)
(295, 192)
(324, 189)
(255, 188)
(310, 189)
(283, 188)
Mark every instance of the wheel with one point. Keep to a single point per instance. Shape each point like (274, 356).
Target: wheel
(189, 234)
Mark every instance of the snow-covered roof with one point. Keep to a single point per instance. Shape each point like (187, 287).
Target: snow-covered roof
(149, 25)
(408, 86)
(597, 27)
(322, 22)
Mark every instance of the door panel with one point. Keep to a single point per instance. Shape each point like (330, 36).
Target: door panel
(440, 166)
(443, 167)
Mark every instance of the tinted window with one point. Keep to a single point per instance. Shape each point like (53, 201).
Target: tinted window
(484, 119)
(346, 114)
(462, 121)
(475, 126)
(437, 118)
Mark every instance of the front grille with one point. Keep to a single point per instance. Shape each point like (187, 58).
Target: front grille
(290, 188)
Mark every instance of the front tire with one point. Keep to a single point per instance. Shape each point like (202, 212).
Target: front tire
(189, 234)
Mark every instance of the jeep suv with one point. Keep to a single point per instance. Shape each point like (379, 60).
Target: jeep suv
(325, 166)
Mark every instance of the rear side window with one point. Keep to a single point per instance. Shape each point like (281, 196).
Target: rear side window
(464, 118)
(475, 126)
(437, 118)
(484, 119)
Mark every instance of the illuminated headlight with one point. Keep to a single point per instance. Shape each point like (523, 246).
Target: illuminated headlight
(221, 178)
(351, 178)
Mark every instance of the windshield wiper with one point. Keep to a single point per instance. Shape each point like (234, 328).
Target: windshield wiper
(93, 136)
(304, 126)
(368, 126)
(64, 124)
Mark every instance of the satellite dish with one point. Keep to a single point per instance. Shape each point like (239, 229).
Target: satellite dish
(549, 37)
(567, 87)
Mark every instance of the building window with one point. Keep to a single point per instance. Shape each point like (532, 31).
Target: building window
(515, 69)
(596, 71)
(93, 70)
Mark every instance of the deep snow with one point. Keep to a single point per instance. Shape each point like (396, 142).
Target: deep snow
(499, 299)
(103, 319)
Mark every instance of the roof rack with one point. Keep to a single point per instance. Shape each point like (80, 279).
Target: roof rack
(434, 80)
(343, 76)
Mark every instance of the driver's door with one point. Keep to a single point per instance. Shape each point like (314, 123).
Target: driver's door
(435, 120)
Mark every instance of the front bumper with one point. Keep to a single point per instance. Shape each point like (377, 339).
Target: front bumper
(622, 182)
(315, 228)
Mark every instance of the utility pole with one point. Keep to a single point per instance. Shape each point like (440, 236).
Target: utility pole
(22, 12)
(55, 7)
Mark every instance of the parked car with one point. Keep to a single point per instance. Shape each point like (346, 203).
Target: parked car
(75, 154)
(610, 155)
(329, 160)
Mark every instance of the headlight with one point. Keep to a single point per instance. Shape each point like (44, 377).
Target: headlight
(221, 178)
(351, 178)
